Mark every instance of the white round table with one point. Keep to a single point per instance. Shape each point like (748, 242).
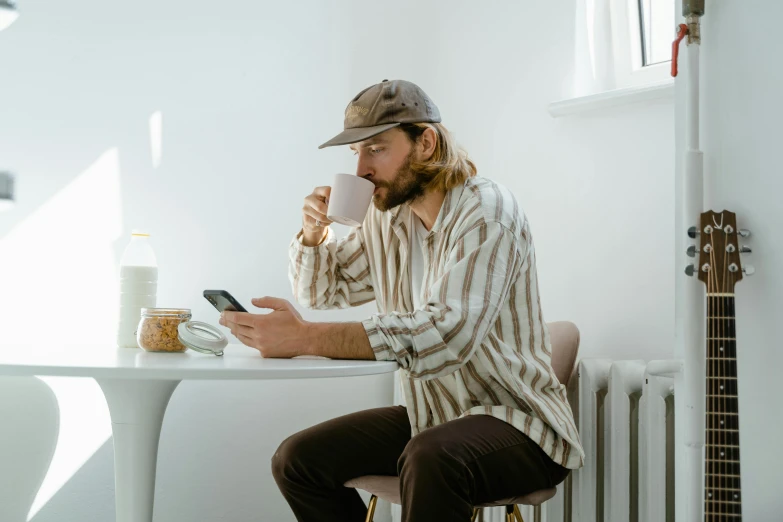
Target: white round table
(138, 385)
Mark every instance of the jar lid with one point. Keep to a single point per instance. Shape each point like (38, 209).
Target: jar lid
(202, 337)
(182, 313)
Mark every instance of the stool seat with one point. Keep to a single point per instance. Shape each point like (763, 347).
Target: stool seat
(388, 488)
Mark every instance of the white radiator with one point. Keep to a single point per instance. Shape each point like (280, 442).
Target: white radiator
(657, 447)
(625, 414)
(624, 411)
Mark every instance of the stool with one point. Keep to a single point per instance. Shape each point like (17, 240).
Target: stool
(564, 338)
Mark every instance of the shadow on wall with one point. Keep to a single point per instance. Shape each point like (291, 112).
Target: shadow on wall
(98, 469)
(200, 130)
(61, 256)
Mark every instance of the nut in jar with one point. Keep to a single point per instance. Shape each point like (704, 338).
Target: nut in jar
(158, 329)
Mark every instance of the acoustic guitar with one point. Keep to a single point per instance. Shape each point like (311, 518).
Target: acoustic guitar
(720, 268)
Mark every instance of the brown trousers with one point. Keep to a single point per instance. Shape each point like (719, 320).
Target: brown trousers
(444, 471)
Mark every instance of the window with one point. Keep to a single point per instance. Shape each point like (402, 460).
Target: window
(656, 21)
(622, 52)
(642, 35)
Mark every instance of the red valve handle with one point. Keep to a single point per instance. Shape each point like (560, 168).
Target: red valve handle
(676, 47)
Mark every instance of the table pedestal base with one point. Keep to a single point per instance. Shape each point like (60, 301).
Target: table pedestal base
(137, 408)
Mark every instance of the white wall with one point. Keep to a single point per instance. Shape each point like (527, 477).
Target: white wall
(741, 115)
(598, 189)
(247, 90)
(246, 96)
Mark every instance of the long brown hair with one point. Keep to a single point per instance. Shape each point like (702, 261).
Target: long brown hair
(449, 165)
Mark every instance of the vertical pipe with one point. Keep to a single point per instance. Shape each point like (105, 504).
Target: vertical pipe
(692, 93)
(693, 294)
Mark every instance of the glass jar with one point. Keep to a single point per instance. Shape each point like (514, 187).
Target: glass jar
(158, 329)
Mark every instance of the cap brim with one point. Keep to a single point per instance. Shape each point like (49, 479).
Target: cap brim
(358, 134)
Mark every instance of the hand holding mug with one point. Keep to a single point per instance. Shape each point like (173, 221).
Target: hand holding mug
(346, 202)
(314, 220)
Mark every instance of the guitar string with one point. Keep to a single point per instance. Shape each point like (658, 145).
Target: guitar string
(710, 504)
(736, 465)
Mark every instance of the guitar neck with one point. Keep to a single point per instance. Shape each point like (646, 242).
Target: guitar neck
(722, 499)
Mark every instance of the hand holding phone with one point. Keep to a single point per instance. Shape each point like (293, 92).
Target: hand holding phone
(222, 301)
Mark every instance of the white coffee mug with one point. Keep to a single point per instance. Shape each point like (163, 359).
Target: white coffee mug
(349, 199)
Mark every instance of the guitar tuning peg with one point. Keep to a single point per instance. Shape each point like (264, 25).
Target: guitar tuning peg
(690, 270)
(692, 251)
(743, 232)
(745, 249)
(693, 232)
(748, 270)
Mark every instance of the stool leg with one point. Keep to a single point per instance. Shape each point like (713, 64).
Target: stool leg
(475, 515)
(371, 508)
(518, 514)
(509, 514)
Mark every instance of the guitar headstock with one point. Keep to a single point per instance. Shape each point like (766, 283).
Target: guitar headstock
(719, 266)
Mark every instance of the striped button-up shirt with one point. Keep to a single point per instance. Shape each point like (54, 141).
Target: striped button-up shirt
(478, 345)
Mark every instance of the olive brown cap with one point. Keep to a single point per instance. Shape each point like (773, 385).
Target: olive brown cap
(384, 106)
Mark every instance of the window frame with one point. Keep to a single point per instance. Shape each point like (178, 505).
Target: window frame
(628, 58)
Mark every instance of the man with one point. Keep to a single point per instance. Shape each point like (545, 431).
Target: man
(449, 259)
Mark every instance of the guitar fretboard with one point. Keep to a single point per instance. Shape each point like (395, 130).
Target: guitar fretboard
(722, 495)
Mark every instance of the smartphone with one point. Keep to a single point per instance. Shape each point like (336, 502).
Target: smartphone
(222, 300)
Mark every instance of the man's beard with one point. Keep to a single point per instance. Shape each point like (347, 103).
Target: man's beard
(406, 187)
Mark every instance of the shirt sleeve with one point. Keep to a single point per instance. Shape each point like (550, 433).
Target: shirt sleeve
(334, 274)
(462, 305)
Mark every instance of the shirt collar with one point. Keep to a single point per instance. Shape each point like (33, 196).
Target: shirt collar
(448, 212)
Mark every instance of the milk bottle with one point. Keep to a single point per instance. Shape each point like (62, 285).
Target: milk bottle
(138, 286)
